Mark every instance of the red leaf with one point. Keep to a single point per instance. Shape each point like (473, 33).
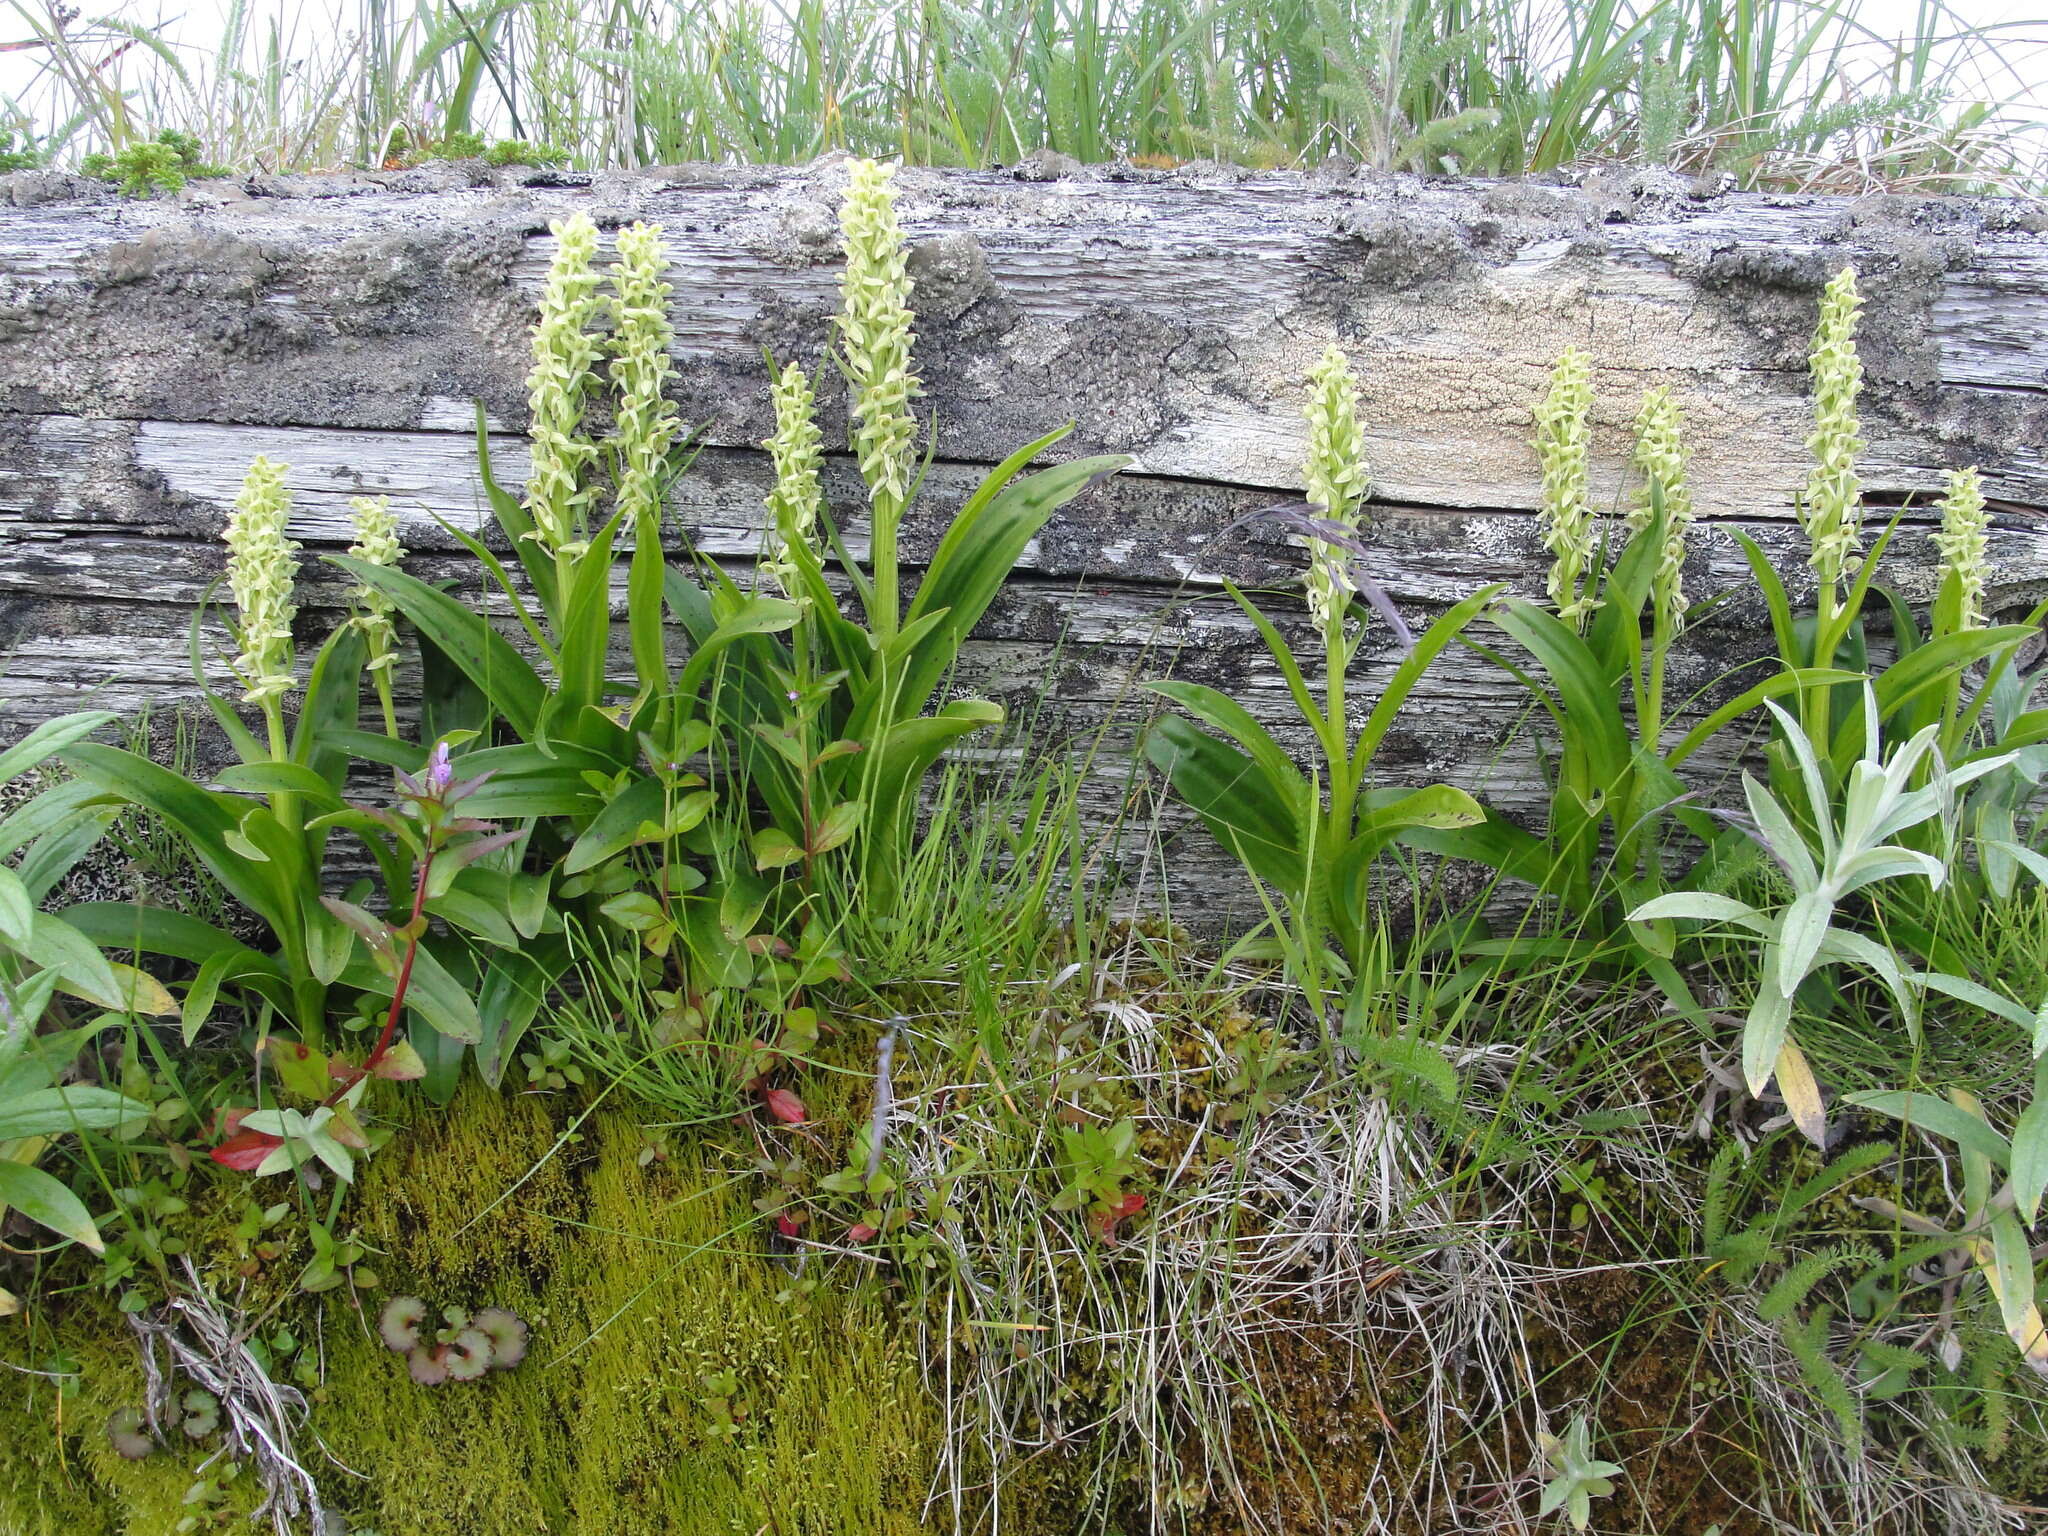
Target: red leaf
(1106, 1219)
(786, 1224)
(228, 1121)
(784, 1105)
(861, 1232)
(245, 1150)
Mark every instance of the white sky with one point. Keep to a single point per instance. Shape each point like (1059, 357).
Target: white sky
(2018, 74)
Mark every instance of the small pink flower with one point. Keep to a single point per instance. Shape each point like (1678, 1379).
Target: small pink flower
(440, 771)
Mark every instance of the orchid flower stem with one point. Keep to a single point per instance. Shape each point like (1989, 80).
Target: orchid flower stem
(1336, 739)
(882, 567)
(1653, 712)
(309, 994)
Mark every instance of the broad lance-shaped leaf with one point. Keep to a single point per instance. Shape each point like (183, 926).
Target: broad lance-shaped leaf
(28, 1001)
(1765, 1031)
(1230, 794)
(622, 824)
(483, 655)
(1219, 710)
(1408, 674)
(2008, 1268)
(584, 637)
(755, 615)
(48, 739)
(977, 554)
(515, 984)
(55, 945)
(1702, 906)
(205, 819)
(891, 772)
(1943, 1118)
(1804, 926)
(53, 1111)
(1965, 990)
(1584, 696)
(333, 702)
(45, 1200)
(160, 931)
(1801, 1093)
(2030, 1151)
(55, 852)
(434, 996)
(1384, 814)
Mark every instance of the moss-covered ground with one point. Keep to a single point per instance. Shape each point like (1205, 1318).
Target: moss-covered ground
(678, 1381)
(687, 1375)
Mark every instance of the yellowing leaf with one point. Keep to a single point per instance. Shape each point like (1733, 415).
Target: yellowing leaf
(1801, 1093)
(301, 1069)
(142, 991)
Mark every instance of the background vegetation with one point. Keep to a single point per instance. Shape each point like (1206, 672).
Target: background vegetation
(1782, 92)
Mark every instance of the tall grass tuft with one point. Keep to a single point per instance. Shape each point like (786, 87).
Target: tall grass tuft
(1810, 93)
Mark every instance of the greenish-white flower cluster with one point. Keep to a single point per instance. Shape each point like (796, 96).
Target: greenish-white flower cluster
(1961, 541)
(1661, 457)
(563, 353)
(793, 500)
(1563, 438)
(376, 544)
(646, 425)
(875, 334)
(1833, 509)
(262, 565)
(1336, 479)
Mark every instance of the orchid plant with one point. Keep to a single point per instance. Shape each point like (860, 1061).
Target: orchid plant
(1313, 838)
(836, 722)
(263, 832)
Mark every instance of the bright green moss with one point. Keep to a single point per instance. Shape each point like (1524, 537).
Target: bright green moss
(59, 1473)
(679, 1381)
(644, 1286)
(439, 1201)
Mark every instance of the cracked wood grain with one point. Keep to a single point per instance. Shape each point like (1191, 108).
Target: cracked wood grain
(346, 326)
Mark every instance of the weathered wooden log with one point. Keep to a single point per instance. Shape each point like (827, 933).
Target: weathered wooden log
(346, 324)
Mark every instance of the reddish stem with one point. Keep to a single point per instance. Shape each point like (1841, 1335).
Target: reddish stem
(412, 948)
